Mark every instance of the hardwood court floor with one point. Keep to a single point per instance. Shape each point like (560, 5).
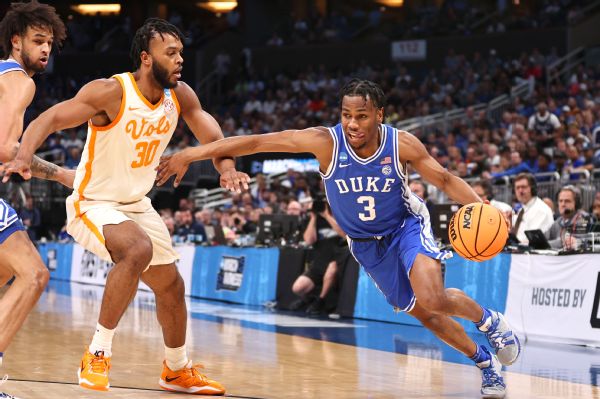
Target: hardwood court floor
(253, 362)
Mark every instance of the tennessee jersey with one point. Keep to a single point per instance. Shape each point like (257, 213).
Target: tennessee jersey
(119, 160)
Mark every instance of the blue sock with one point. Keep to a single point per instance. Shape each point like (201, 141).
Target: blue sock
(481, 355)
(486, 314)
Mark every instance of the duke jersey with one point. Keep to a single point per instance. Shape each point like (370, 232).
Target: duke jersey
(368, 197)
(387, 225)
(8, 216)
(119, 160)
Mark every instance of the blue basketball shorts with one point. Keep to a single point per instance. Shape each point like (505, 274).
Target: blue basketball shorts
(9, 221)
(388, 260)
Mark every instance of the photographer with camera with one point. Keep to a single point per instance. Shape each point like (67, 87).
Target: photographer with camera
(329, 245)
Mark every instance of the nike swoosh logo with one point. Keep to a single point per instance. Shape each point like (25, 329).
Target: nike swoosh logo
(344, 165)
(171, 379)
(133, 108)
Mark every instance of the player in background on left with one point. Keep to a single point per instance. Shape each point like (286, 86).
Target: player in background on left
(28, 32)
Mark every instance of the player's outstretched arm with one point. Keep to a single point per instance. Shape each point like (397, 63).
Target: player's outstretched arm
(206, 130)
(412, 150)
(312, 140)
(88, 102)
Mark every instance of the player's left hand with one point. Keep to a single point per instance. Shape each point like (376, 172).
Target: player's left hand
(170, 165)
(234, 181)
(16, 166)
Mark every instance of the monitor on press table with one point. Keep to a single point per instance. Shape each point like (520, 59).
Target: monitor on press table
(272, 229)
(537, 239)
(440, 219)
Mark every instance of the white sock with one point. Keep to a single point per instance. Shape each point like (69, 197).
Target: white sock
(176, 358)
(102, 340)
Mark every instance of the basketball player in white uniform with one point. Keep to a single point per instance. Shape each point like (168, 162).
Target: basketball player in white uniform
(131, 118)
(28, 32)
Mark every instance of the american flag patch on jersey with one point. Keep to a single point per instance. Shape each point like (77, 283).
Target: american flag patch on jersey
(386, 161)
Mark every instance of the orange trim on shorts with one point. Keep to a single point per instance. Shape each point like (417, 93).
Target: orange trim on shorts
(175, 101)
(121, 109)
(141, 96)
(93, 228)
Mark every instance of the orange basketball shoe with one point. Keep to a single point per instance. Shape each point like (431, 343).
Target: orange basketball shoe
(93, 372)
(189, 380)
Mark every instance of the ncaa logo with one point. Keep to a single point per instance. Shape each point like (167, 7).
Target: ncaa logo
(169, 106)
(343, 157)
(386, 170)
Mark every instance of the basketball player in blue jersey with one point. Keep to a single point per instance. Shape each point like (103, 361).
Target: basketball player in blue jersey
(28, 32)
(363, 166)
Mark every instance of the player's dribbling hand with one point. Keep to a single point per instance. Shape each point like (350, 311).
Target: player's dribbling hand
(16, 166)
(234, 181)
(171, 165)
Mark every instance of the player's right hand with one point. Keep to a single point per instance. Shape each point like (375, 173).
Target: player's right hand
(171, 165)
(17, 166)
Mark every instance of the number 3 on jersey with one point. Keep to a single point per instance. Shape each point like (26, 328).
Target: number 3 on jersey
(146, 153)
(369, 208)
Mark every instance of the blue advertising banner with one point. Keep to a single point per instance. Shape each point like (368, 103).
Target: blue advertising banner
(240, 275)
(57, 258)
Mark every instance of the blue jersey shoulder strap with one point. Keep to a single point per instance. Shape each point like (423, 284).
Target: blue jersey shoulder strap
(9, 66)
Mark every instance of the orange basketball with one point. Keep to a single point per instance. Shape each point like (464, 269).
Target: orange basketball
(478, 231)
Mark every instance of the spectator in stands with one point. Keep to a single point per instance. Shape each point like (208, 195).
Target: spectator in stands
(31, 217)
(483, 188)
(534, 213)
(328, 242)
(63, 236)
(544, 165)
(419, 188)
(517, 165)
(73, 157)
(294, 208)
(543, 124)
(595, 209)
(204, 217)
(72, 140)
(573, 220)
(187, 230)
(170, 223)
(548, 201)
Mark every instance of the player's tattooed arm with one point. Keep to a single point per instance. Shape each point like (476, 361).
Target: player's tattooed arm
(43, 169)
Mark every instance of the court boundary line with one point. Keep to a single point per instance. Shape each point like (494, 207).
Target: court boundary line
(130, 388)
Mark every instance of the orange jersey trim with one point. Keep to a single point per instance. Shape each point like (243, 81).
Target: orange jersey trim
(141, 96)
(88, 168)
(176, 101)
(86, 180)
(119, 115)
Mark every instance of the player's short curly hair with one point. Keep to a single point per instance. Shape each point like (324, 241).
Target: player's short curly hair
(141, 40)
(365, 89)
(21, 16)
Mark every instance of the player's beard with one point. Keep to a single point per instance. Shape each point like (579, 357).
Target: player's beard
(29, 64)
(162, 76)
